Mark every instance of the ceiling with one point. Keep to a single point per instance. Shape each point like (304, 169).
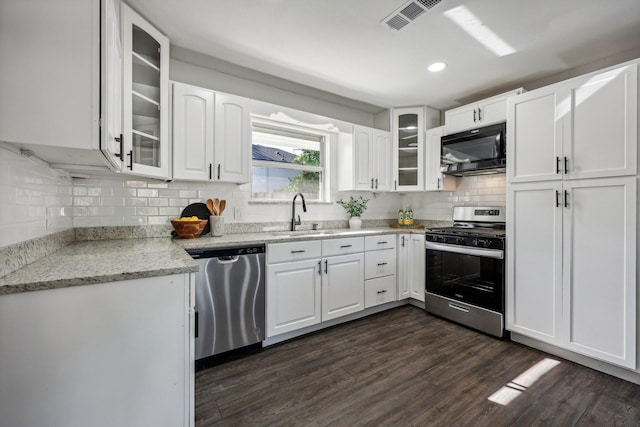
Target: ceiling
(341, 47)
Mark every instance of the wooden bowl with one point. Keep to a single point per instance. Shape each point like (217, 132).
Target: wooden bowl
(189, 229)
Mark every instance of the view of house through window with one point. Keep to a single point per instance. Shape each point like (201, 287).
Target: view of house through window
(286, 162)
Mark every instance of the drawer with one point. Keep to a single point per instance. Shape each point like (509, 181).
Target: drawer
(379, 263)
(346, 245)
(293, 251)
(384, 241)
(379, 291)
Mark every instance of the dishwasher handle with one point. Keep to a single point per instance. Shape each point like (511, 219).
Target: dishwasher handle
(228, 259)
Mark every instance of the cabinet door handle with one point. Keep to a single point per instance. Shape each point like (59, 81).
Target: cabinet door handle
(195, 329)
(326, 267)
(438, 183)
(479, 114)
(372, 183)
(474, 115)
(402, 242)
(320, 268)
(345, 246)
(376, 183)
(566, 199)
(381, 264)
(382, 291)
(298, 251)
(557, 164)
(218, 171)
(395, 184)
(557, 199)
(121, 153)
(130, 154)
(210, 170)
(566, 165)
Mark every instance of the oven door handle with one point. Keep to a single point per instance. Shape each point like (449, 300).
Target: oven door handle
(465, 250)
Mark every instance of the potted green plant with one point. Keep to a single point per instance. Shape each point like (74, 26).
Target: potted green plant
(354, 208)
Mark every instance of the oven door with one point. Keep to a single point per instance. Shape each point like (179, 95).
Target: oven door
(467, 274)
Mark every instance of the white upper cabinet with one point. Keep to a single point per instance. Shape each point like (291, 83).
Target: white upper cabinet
(483, 113)
(364, 161)
(145, 97)
(434, 180)
(192, 132)
(408, 126)
(232, 139)
(211, 135)
(408, 148)
(582, 128)
(111, 88)
(50, 82)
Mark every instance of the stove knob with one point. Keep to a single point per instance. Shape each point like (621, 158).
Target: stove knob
(475, 242)
(459, 240)
(443, 239)
(485, 243)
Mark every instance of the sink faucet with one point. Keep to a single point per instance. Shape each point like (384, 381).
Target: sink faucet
(297, 221)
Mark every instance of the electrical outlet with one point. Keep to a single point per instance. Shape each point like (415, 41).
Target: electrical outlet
(237, 214)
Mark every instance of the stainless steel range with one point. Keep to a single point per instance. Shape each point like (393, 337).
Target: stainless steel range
(465, 269)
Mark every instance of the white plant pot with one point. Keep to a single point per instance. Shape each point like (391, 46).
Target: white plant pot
(355, 222)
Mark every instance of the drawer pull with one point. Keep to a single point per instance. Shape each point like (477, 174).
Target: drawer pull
(381, 263)
(298, 252)
(459, 308)
(345, 246)
(382, 291)
(383, 243)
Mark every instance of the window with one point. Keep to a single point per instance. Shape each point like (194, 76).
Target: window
(287, 161)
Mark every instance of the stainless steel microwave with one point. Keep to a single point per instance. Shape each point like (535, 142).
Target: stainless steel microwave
(475, 152)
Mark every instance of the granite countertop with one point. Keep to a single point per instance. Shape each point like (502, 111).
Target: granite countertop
(101, 261)
(229, 240)
(90, 262)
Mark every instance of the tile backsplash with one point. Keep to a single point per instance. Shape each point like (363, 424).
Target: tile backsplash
(37, 201)
(119, 200)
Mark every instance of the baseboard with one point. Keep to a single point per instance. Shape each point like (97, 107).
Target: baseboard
(598, 365)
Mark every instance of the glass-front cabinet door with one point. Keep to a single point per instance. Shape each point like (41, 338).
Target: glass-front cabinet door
(408, 143)
(145, 97)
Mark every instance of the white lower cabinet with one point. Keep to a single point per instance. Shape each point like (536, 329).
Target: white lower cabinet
(342, 285)
(380, 270)
(411, 266)
(293, 295)
(572, 265)
(309, 282)
(110, 354)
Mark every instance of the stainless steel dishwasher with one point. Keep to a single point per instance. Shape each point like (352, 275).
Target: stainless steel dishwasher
(230, 301)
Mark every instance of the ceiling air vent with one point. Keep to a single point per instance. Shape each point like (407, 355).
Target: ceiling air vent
(407, 13)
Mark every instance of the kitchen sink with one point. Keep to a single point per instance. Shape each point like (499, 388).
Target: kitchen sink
(304, 233)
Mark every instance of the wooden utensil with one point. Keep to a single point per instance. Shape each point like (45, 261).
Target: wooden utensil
(216, 206)
(223, 204)
(210, 206)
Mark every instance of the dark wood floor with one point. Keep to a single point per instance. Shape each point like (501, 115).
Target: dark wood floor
(404, 367)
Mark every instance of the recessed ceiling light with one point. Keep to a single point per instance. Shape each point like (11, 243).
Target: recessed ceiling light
(437, 66)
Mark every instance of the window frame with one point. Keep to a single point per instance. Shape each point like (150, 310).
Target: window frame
(310, 129)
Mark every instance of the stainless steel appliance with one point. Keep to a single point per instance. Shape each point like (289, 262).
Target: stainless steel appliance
(465, 269)
(230, 301)
(475, 152)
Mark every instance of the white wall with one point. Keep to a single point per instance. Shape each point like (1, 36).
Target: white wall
(35, 200)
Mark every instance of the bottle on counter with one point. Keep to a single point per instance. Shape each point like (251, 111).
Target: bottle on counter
(408, 217)
(401, 216)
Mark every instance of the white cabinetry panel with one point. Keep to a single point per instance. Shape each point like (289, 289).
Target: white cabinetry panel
(342, 286)
(293, 296)
(534, 306)
(600, 264)
(192, 132)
